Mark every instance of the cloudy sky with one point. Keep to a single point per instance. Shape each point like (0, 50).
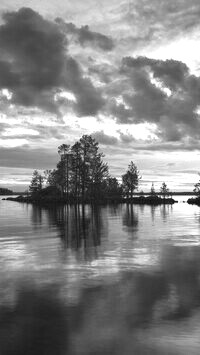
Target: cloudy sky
(126, 71)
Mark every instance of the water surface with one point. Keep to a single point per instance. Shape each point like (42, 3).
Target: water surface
(99, 280)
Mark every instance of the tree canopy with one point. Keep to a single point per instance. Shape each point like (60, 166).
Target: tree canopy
(130, 180)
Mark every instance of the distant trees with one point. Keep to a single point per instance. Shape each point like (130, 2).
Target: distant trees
(4, 191)
(130, 180)
(164, 190)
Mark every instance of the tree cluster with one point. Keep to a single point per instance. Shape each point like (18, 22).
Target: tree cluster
(81, 173)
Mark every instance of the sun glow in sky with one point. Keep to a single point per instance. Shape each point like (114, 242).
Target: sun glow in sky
(127, 72)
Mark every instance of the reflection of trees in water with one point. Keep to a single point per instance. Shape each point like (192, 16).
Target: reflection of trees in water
(130, 220)
(153, 210)
(36, 215)
(78, 225)
(114, 210)
(165, 211)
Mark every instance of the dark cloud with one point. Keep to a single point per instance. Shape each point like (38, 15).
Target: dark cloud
(34, 65)
(85, 36)
(126, 138)
(171, 72)
(34, 50)
(89, 98)
(159, 92)
(103, 71)
(105, 139)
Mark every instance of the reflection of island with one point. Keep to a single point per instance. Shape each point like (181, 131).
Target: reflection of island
(79, 226)
(130, 219)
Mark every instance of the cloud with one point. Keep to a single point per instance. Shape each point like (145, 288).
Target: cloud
(126, 138)
(89, 98)
(168, 147)
(171, 72)
(159, 21)
(161, 92)
(84, 36)
(103, 71)
(104, 139)
(35, 64)
(25, 157)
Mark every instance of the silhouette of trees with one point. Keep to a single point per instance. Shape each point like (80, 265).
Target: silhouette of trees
(130, 180)
(152, 192)
(164, 190)
(92, 168)
(64, 166)
(112, 189)
(197, 188)
(81, 172)
(36, 182)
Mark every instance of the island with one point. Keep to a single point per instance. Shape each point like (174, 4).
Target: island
(82, 176)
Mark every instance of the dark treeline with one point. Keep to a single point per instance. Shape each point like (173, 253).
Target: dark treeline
(4, 191)
(81, 175)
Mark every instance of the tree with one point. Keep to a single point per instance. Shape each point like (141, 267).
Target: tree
(164, 190)
(65, 153)
(152, 192)
(92, 168)
(130, 180)
(88, 149)
(111, 188)
(36, 182)
(76, 170)
(197, 188)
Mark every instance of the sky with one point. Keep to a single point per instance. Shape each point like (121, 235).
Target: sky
(125, 71)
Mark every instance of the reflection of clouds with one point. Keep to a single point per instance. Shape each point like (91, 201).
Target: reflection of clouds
(14, 255)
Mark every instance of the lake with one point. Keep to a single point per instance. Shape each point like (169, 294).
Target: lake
(99, 280)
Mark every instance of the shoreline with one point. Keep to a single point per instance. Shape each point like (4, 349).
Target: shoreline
(51, 200)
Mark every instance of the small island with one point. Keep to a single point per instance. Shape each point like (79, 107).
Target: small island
(195, 200)
(81, 176)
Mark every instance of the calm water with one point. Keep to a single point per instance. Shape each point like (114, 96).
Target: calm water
(107, 280)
